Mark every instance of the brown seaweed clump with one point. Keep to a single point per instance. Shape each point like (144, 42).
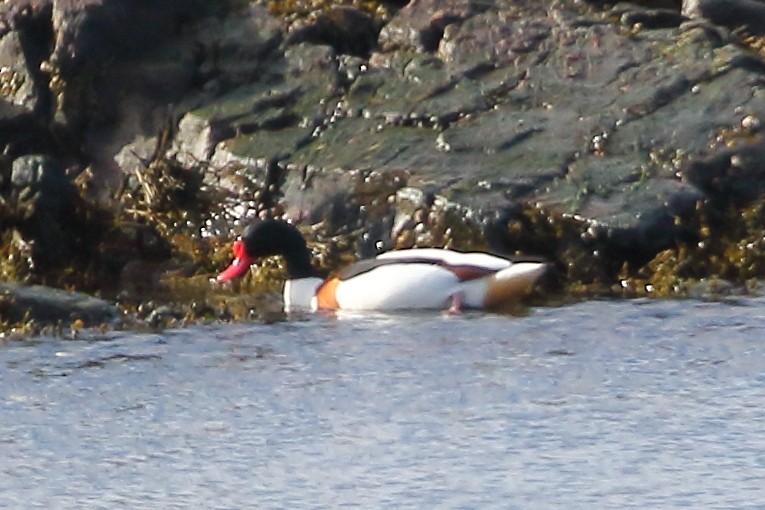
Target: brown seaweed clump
(728, 255)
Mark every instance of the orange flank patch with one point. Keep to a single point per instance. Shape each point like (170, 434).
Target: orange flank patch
(325, 294)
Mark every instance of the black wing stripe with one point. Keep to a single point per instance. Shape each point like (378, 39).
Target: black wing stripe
(364, 266)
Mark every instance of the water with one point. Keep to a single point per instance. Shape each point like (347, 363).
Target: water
(644, 404)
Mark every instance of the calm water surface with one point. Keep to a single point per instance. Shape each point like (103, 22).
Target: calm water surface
(644, 404)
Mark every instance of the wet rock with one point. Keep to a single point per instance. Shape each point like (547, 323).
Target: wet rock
(137, 154)
(264, 119)
(314, 196)
(650, 18)
(44, 305)
(26, 31)
(48, 210)
(578, 116)
(246, 110)
(417, 90)
(96, 31)
(711, 289)
(163, 316)
(24, 95)
(733, 176)
(421, 23)
(347, 29)
(17, 83)
(747, 14)
(133, 256)
(23, 132)
(495, 39)
(120, 64)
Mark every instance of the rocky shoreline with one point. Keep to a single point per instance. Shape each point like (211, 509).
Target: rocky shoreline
(623, 143)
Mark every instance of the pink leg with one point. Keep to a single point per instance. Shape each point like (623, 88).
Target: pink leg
(458, 299)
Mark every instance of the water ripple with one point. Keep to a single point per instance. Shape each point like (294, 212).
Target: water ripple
(608, 404)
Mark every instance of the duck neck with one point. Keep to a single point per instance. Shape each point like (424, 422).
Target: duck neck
(299, 263)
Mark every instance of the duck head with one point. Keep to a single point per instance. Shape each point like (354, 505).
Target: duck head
(264, 238)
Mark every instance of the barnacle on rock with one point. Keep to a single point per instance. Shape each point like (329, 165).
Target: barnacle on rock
(296, 9)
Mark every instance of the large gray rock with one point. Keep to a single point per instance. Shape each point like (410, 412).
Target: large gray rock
(126, 68)
(491, 105)
(45, 305)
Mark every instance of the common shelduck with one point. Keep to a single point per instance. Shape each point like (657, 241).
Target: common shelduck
(420, 278)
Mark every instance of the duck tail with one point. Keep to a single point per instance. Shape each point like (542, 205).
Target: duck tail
(513, 282)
